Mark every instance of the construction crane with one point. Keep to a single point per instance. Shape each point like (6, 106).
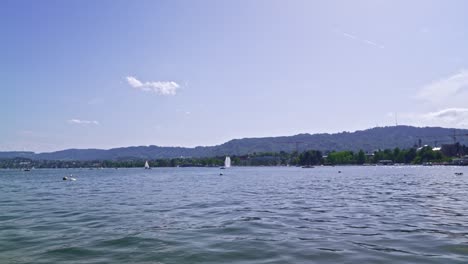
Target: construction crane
(444, 138)
(447, 139)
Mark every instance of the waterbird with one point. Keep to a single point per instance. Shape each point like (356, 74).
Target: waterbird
(458, 173)
(65, 178)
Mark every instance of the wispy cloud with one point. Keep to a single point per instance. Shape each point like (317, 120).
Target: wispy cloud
(448, 97)
(445, 89)
(158, 87)
(349, 35)
(360, 39)
(449, 117)
(83, 122)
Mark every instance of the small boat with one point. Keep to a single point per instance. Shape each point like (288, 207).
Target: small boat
(458, 173)
(147, 167)
(227, 163)
(27, 170)
(307, 167)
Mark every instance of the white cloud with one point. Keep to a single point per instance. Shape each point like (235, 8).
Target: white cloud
(447, 97)
(134, 82)
(162, 88)
(449, 117)
(445, 89)
(83, 122)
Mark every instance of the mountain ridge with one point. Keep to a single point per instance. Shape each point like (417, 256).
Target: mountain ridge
(367, 140)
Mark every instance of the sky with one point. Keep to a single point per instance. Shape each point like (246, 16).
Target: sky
(104, 74)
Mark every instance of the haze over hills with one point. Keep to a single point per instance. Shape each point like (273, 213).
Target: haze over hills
(367, 140)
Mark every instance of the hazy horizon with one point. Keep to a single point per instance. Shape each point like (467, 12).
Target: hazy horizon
(105, 74)
(214, 145)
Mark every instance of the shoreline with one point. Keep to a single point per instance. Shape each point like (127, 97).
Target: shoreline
(235, 167)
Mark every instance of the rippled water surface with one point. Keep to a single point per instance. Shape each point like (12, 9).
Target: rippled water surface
(248, 215)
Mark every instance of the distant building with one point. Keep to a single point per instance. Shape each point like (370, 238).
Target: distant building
(461, 161)
(385, 162)
(425, 146)
(433, 148)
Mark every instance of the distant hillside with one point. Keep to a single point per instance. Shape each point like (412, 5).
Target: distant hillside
(368, 140)
(13, 154)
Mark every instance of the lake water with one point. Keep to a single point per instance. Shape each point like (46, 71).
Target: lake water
(248, 215)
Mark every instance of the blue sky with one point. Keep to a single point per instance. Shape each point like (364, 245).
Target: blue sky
(103, 74)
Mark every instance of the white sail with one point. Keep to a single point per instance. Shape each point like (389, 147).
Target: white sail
(227, 162)
(147, 165)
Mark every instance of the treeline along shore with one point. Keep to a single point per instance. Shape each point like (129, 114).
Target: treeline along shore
(453, 154)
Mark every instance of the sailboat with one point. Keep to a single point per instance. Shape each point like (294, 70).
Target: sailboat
(147, 167)
(227, 163)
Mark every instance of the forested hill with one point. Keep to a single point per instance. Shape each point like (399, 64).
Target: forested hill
(367, 140)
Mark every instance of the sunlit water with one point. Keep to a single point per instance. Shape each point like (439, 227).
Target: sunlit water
(247, 215)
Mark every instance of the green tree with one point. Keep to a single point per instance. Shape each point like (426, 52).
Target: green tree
(361, 157)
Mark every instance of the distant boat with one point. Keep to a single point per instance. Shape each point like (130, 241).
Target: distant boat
(147, 167)
(227, 163)
(307, 167)
(27, 169)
